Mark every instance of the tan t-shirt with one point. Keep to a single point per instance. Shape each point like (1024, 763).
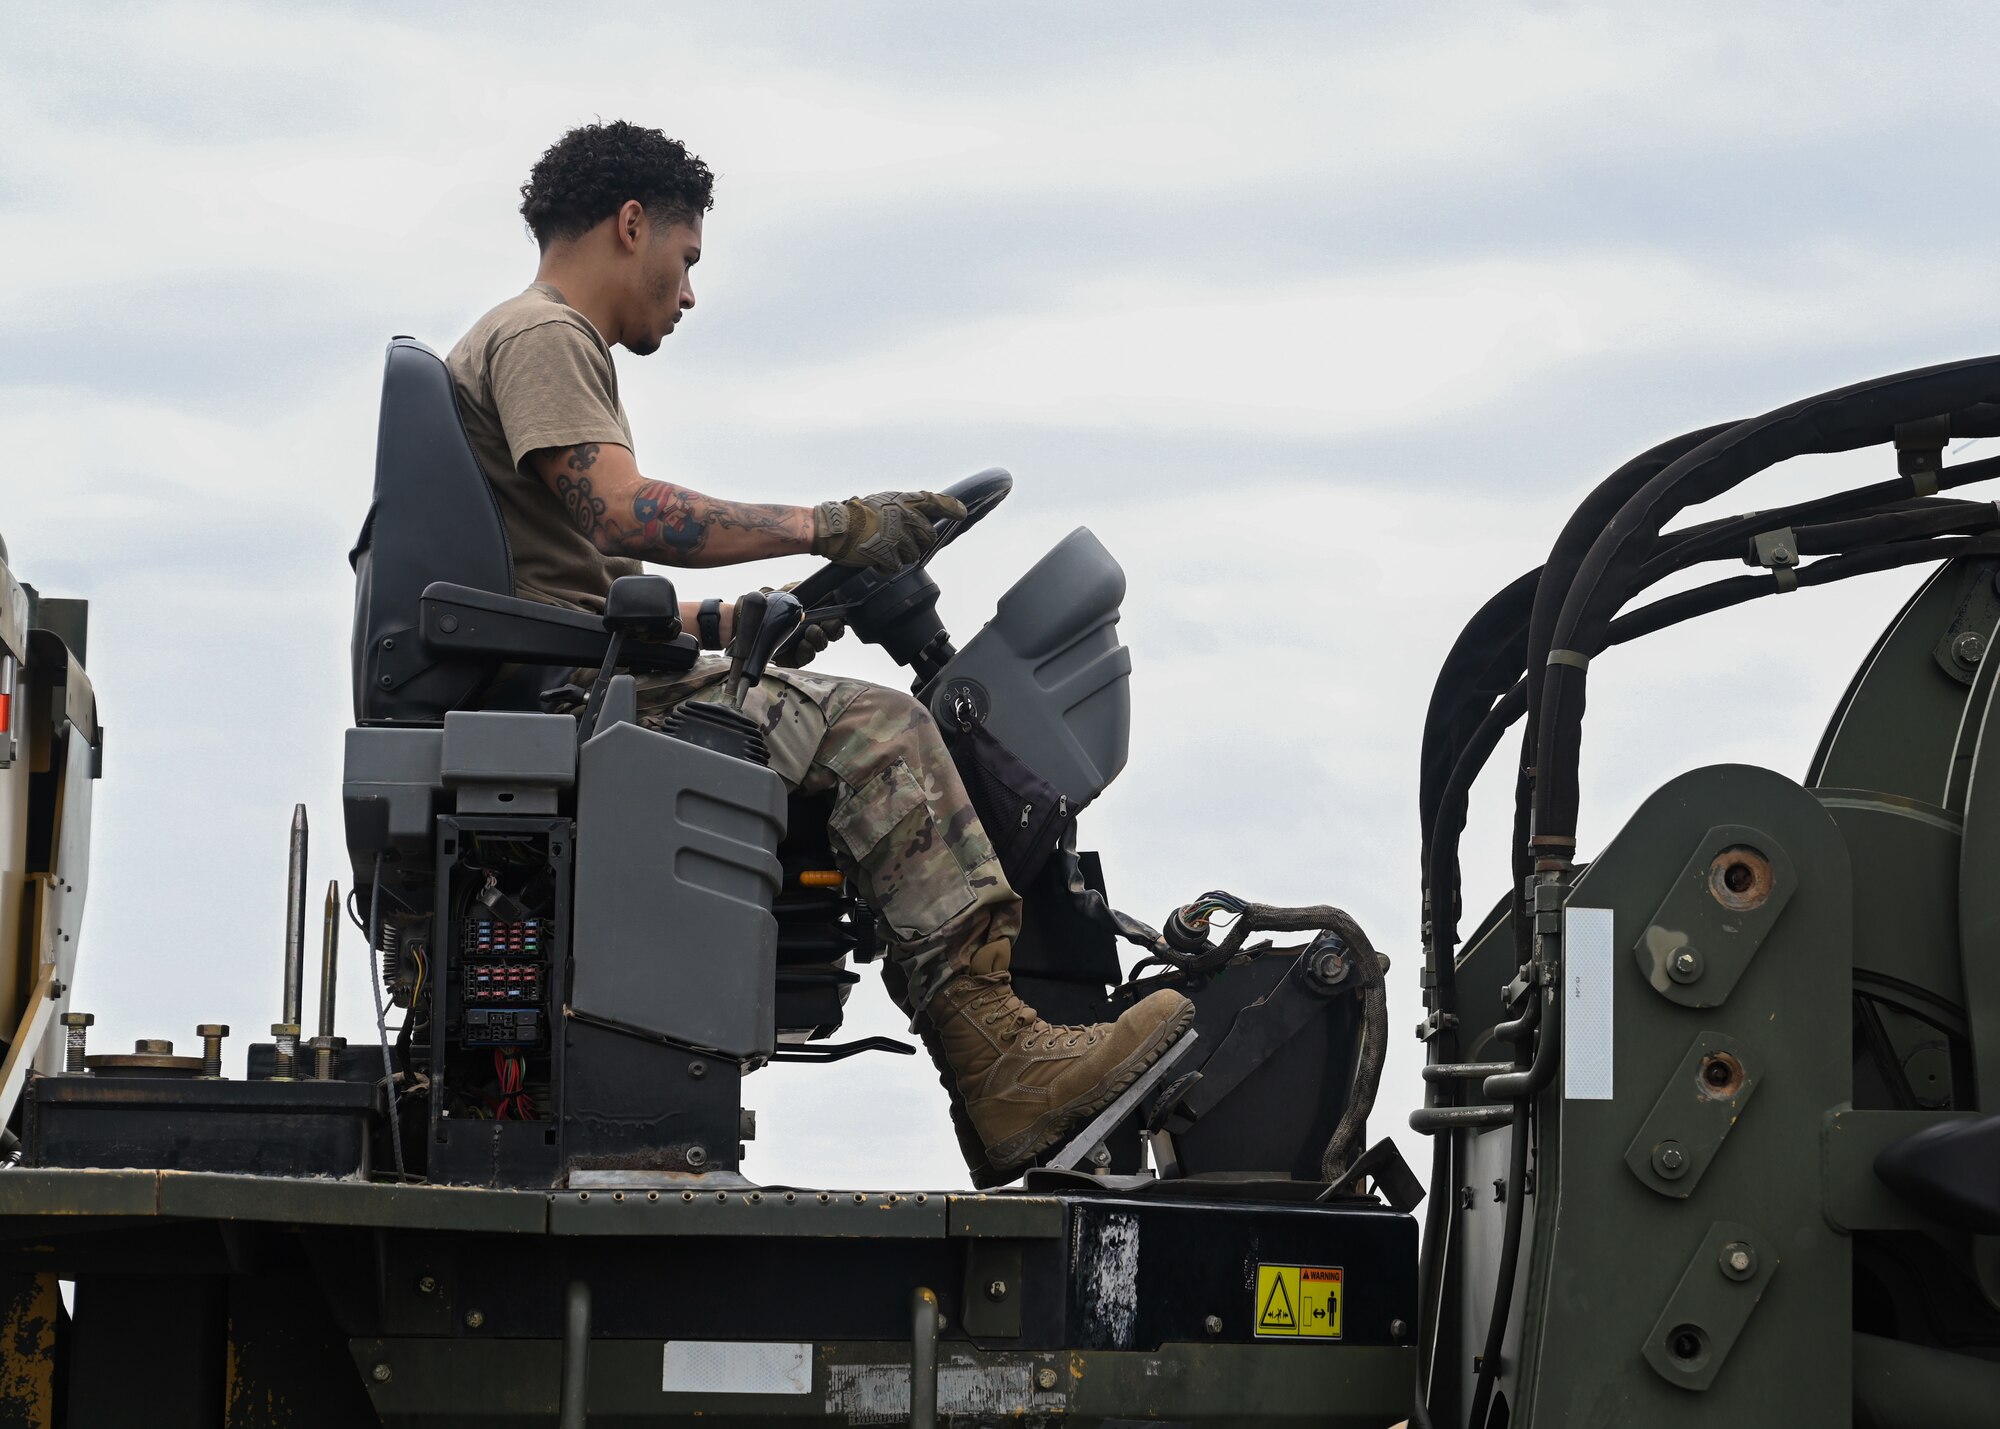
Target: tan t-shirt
(534, 373)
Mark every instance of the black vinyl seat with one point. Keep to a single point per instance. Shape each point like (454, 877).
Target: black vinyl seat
(437, 626)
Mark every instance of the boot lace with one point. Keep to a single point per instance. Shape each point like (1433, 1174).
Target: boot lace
(1023, 1024)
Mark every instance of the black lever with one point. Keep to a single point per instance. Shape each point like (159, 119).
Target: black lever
(778, 617)
(745, 623)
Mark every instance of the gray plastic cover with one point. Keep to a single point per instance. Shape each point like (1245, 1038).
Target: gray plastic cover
(676, 867)
(505, 762)
(1048, 673)
(390, 789)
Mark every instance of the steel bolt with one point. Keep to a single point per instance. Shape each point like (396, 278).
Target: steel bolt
(1213, 1324)
(427, 1285)
(1738, 1260)
(474, 1319)
(325, 1050)
(1399, 1330)
(1045, 1378)
(75, 1023)
(697, 1156)
(381, 1373)
(996, 1290)
(211, 1034)
(1969, 648)
(1670, 1160)
(285, 1051)
(153, 1047)
(1685, 965)
(1100, 1156)
(697, 1070)
(448, 624)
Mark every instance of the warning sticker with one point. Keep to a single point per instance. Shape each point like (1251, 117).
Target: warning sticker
(1299, 1300)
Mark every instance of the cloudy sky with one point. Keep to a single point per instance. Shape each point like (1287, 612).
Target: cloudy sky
(1321, 316)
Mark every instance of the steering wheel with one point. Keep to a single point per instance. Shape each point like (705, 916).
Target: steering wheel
(834, 588)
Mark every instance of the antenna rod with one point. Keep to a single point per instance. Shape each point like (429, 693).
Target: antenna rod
(285, 1034)
(295, 920)
(329, 958)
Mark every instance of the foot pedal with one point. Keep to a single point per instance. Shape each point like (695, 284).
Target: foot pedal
(1078, 1148)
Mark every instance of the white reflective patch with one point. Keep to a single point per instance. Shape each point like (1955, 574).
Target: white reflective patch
(1587, 999)
(736, 1367)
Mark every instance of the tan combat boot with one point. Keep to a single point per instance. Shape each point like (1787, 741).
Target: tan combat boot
(1026, 1082)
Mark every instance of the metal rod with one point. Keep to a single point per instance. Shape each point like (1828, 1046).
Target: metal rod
(1430, 1120)
(295, 920)
(329, 958)
(575, 1394)
(923, 1359)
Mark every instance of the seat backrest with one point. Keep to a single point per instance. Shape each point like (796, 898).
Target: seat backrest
(433, 518)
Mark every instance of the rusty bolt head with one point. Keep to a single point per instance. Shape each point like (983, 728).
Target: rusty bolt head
(78, 1019)
(1045, 1378)
(996, 1290)
(1212, 1324)
(212, 1029)
(153, 1047)
(474, 1319)
(380, 1374)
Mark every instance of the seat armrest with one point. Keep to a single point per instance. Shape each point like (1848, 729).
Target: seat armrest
(459, 622)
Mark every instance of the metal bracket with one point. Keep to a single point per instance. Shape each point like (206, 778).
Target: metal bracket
(1715, 915)
(1920, 452)
(1695, 1111)
(1709, 1308)
(1776, 548)
(839, 1051)
(991, 1307)
(1435, 1023)
(1382, 1163)
(1967, 636)
(1778, 552)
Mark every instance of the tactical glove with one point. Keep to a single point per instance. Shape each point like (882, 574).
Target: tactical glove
(813, 637)
(885, 532)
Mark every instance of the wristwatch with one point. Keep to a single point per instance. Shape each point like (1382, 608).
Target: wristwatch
(708, 624)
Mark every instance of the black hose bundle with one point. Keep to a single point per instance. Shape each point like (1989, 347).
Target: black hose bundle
(1612, 548)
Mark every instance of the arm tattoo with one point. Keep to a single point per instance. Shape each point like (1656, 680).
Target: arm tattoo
(663, 522)
(673, 525)
(585, 508)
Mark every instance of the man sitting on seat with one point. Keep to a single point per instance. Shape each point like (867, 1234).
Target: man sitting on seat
(617, 211)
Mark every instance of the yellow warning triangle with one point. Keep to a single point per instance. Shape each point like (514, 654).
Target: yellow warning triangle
(1277, 1311)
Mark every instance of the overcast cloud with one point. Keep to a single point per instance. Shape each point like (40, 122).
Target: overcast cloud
(1320, 316)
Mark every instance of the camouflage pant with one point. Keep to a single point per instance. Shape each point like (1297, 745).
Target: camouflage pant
(902, 826)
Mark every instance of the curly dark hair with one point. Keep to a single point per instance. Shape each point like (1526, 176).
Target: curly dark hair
(585, 176)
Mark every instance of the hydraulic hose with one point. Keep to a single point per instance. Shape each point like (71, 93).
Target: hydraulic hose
(1862, 415)
(1902, 529)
